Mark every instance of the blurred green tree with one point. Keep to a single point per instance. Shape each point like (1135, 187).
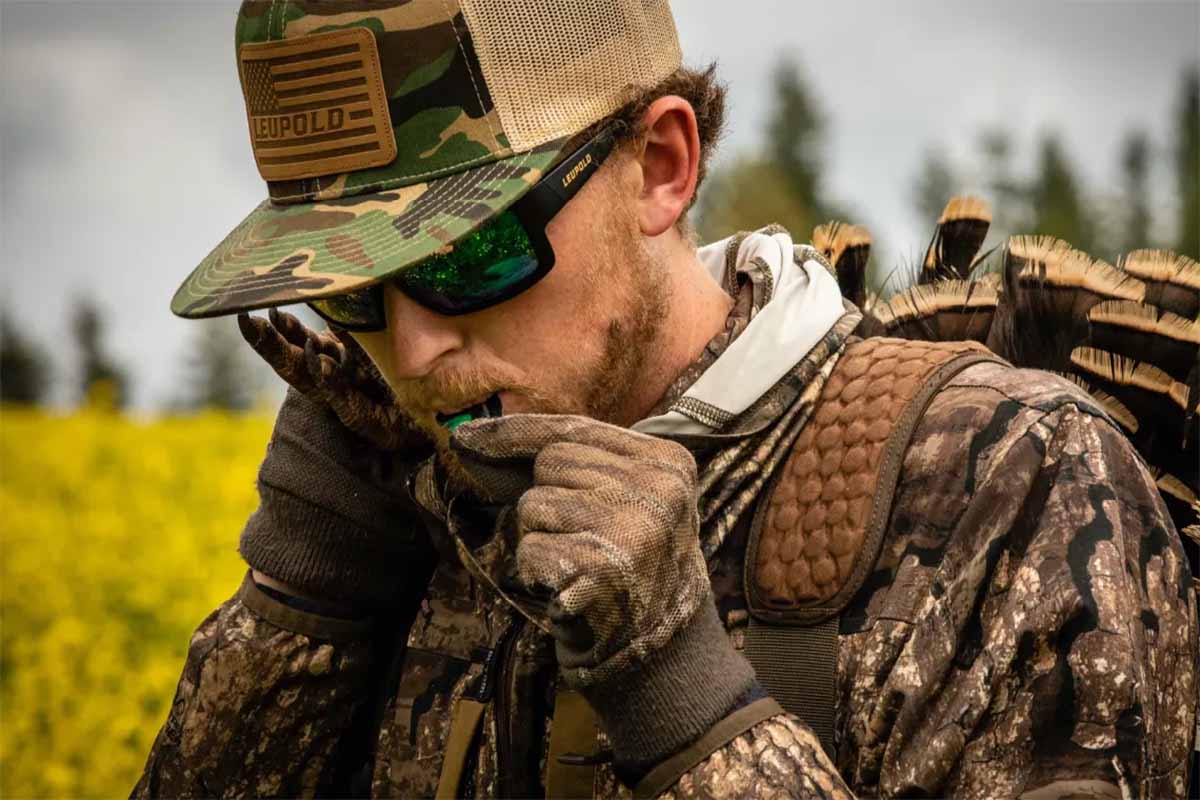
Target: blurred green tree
(988, 171)
(749, 194)
(1135, 200)
(1056, 196)
(102, 383)
(218, 371)
(795, 142)
(24, 366)
(1007, 192)
(935, 184)
(1187, 162)
(784, 183)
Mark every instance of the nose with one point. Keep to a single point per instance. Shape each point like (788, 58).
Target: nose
(418, 336)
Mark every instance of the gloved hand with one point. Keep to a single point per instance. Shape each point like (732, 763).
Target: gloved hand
(607, 524)
(331, 369)
(335, 521)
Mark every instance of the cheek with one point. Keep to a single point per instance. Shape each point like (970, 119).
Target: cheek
(546, 329)
(561, 319)
(567, 317)
(581, 234)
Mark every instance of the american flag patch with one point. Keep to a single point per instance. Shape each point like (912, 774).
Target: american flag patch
(316, 105)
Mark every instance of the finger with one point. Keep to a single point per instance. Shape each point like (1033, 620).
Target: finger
(553, 509)
(546, 562)
(328, 362)
(328, 345)
(292, 329)
(512, 438)
(381, 422)
(330, 365)
(552, 560)
(375, 422)
(352, 346)
(580, 466)
(251, 328)
(322, 368)
(499, 453)
(582, 580)
(285, 358)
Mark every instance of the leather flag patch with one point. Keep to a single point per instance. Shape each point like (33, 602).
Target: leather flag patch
(316, 105)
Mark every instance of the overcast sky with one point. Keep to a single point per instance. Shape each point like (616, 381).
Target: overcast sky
(124, 155)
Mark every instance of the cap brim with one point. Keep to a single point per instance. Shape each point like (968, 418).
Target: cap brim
(284, 254)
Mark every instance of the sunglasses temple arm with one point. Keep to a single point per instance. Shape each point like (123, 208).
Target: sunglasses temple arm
(563, 182)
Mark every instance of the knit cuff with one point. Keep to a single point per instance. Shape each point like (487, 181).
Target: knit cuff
(676, 695)
(334, 519)
(326, 555)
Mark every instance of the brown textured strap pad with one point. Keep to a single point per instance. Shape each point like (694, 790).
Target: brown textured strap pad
(817, 535)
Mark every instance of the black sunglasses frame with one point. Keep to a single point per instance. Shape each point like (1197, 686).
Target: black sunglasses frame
(533, 210)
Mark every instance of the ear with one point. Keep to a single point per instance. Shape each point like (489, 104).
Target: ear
(669, 160)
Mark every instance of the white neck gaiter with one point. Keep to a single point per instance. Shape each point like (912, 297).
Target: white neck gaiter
(800, 304)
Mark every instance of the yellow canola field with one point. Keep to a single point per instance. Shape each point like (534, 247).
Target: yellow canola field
(117, 539)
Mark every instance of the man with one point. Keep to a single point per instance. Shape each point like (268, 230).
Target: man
(552, 475)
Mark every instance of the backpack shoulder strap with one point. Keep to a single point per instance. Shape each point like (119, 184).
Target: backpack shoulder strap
(817, 534)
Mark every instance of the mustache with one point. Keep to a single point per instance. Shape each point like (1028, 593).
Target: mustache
(457, 387)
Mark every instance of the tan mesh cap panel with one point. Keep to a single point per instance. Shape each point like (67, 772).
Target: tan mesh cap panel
(556, 66)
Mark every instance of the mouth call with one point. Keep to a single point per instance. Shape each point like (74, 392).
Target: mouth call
(488, 408)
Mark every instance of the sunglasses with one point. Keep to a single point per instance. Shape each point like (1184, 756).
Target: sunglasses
(494, 263)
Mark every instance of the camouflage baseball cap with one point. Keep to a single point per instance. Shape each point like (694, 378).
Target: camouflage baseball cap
(388, 129)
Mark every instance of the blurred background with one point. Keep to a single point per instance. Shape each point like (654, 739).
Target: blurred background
(129, 438)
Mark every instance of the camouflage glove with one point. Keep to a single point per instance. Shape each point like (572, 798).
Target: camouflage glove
(329, 368)
(607, 525)
(335, 520)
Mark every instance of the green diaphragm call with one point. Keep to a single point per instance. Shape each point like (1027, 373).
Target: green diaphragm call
(488, 408)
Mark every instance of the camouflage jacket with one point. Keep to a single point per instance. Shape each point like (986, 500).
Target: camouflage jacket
(1027, 630)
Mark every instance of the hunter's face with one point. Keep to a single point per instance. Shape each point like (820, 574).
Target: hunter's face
(574, 343)
(592, 337)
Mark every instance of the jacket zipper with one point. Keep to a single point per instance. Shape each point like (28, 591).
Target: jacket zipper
(504, 672)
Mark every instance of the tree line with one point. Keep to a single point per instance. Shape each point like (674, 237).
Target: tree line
(782, 183)
(217, 369)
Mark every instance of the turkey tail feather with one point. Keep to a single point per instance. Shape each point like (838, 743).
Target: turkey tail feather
(949, 310)
(848, 248)
(957, 238)
(1146, 332)
(1161, 404)
(1172, 281)
(1049, 288)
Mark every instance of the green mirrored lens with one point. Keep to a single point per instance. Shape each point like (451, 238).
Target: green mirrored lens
(483, 269)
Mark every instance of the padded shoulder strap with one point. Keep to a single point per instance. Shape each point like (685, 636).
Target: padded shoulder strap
(817, 534)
